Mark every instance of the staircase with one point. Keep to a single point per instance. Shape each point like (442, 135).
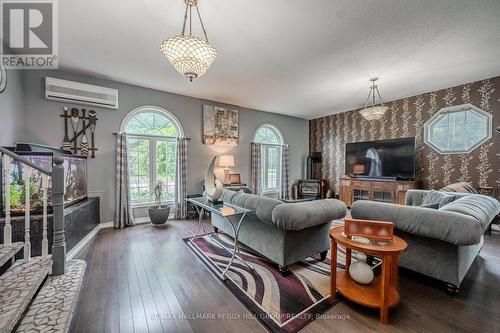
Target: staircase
(18, 286)
(35, 287)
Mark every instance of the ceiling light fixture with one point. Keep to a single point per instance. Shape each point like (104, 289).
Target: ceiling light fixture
(373, 112)
(190, 56)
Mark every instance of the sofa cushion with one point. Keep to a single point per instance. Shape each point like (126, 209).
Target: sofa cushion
(461, 187)
(461, 222)
(265, 208)
(416, 197)
(451, 227)
(228, 195)
(480, 207)
(245, 200)
(435, 197)
(293, 216)
(431, 206)
(301, 215)
(262, 206)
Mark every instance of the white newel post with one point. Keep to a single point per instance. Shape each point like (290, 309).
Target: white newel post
(7, 231)
(45, 241)
(27, 208)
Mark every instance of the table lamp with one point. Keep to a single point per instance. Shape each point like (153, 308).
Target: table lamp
(226, 161)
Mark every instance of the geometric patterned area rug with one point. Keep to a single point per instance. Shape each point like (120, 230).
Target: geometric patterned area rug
(280, 303)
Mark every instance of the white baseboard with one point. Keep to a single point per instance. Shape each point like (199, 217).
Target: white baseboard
(105, 225)
(81, 244)
(141, 220)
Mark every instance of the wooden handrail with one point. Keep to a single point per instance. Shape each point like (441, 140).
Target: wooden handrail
(25, 161)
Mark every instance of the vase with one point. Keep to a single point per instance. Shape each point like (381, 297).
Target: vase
(159, 215)
(361, 272)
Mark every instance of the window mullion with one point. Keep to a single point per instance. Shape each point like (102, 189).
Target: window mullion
(263, 168)
(466, 131)
(266, 169)
(152, 166)
(279, 167)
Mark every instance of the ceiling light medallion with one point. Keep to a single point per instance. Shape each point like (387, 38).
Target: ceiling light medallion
(191, 56)
(373, 112)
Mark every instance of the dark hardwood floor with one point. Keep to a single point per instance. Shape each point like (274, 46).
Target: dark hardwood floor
(136, 273)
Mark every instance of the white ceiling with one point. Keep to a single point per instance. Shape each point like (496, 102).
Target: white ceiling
(304, 58)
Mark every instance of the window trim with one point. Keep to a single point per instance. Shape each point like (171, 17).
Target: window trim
(265, 175)
(153, 139)
(264, 153)
(154, 109)
(454, 109)
(276, 131)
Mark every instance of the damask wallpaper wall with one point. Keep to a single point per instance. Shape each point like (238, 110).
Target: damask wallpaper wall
(406, 118)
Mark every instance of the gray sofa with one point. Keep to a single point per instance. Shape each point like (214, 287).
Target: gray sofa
(442, 243)
(283, 232)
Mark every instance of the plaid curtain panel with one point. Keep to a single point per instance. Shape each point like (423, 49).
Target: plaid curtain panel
(180, 188)
(255, 170)
(123, 211)
(285, 154)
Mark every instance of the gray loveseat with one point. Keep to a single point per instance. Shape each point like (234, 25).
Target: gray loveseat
(442, 243)
(283, 232)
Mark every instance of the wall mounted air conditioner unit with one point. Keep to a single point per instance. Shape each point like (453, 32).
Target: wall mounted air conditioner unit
(80, 93)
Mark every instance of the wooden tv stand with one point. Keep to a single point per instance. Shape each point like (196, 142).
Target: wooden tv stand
(381, 190)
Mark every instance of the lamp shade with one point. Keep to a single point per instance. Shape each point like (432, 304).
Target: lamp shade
(226, 161)
(190, 56)
(374, 112)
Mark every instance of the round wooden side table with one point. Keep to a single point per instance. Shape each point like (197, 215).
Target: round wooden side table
(383, 291)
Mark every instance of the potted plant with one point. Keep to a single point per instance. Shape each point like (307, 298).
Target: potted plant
(159, 213)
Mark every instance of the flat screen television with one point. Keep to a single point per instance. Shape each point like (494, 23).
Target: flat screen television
(391, 159)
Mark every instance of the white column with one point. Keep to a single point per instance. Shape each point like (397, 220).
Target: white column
(7, 231)
(45, 242)
(27, 196)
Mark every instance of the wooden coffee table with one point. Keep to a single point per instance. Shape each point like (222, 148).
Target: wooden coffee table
(382, 292)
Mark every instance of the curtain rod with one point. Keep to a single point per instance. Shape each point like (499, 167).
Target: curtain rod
(150, 136)
(270, 144)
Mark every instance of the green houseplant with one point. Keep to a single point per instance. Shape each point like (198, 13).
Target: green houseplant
(159, 213)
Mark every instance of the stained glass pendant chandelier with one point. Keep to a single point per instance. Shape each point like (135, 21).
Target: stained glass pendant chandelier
(191, 56)
(373, 112)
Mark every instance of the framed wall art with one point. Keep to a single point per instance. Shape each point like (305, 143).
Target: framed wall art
(235, 178)
(220, 126)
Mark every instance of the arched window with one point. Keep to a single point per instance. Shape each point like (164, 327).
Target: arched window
(152, 146)
(271, 139)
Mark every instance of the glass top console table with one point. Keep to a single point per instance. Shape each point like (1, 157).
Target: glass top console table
(235, 215)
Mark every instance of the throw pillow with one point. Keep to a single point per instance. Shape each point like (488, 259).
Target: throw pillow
(461, 187)
(440, 198)
(431, 206)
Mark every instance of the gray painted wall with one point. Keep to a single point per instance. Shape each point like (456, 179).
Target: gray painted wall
(12, 108)
(44, 126)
